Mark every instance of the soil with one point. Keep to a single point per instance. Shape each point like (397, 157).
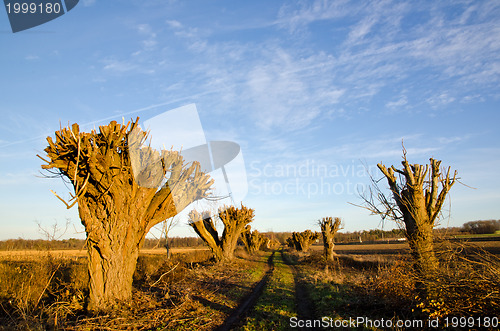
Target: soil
(303, 304)
(249, 301)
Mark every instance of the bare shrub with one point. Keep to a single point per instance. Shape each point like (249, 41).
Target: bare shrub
(466, 283)
(42, 291)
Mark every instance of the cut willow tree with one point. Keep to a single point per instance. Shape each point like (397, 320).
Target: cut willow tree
(418, 194)
(234, 219)
(121, 191)
(301, 241)
(252, 240)
(329, 227)
(272, 244)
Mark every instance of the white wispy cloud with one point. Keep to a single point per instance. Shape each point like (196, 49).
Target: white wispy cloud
(174, 24)
(288, 86)
(31, 57)
(440, 100)
(147, 31)
(381, 49)
(402, 101)
(88, 3)
(119, 66)
(387, 147)
(292, 18)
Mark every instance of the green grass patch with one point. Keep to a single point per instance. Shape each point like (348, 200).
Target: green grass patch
(468, 236)
(276, 305)
(257, 266)
(336, 301)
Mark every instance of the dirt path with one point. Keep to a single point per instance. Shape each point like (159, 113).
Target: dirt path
(303, 303)
(300, 300)
(249, 301)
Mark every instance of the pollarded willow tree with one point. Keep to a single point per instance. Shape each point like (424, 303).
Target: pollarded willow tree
(418, 194)
(329, 227)
(301, 241)
(123, 188)
(234, 219)
(253, 240)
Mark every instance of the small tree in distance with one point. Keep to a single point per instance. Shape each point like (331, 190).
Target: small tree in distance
(329, 227)
(234, 219)
(301, 241)
(252, 240)
(482, 227)
(121, 194)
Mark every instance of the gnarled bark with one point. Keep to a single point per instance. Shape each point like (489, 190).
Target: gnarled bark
(253, 240)
(118, 187)
(204, 227)
(234, 220)
(419, 196)
(301, 241)
(329, 228)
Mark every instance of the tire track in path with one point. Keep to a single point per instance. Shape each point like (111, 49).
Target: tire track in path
(303, 304)
(250, 300)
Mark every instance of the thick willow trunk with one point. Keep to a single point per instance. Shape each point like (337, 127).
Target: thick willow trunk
(123, 188)
(425, 262)
(303, 240)
(253, 240)
(329, 227)
(419, 195)
(419, 231)
(113, 248)
(422, 250)
(205, 228)
(111, 270)
(234, 221)
(328, 246)
(229, 242)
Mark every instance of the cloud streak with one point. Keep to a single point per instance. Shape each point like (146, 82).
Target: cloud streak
(379, 53)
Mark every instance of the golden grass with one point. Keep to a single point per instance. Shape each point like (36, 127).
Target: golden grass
(41, 291)
(173, 250)
(33, 254)
(70, 253)
(492, 246)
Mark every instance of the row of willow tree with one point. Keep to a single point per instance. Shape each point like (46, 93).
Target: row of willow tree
(301, 241)
(123, 188)
(237, 227)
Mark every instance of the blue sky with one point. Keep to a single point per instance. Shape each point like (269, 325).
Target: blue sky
(313, 91)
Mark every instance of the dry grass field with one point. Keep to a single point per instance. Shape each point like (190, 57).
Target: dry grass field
(16, 254)
(47, 290)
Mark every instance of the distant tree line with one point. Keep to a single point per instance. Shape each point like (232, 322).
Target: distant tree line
(41, 244)
(368, 235)
(474, 227)
(482, 227)
(72, 243)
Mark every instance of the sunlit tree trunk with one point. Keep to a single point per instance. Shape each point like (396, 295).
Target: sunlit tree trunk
(329, 228)
(121, 192)
(303, 240)
(234, 220)
(253, 240)
(419, 196)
